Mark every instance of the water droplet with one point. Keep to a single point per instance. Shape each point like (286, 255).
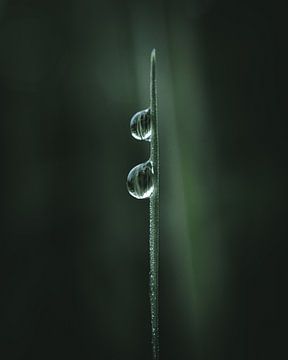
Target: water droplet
(140, 125)
(140, 181)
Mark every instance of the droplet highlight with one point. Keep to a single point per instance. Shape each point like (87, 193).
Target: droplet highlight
(140, 125)
(140, 181)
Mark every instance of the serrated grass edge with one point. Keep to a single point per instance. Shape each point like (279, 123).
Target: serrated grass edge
(154, 213)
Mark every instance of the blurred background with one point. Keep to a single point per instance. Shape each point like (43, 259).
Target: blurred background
(74, 245)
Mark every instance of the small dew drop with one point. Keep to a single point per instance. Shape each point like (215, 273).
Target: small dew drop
(140, 125)
(140, 181)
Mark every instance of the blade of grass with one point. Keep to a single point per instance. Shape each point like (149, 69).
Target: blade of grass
(154, 213)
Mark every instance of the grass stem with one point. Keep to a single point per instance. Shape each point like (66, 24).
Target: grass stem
(154, 213)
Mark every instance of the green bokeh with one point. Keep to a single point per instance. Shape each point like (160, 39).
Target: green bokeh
(74, 244)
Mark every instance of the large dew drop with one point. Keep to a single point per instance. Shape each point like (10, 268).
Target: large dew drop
(140, 125)
(140, 181)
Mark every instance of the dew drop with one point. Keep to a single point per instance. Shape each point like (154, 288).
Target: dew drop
(140, 125)
(140, 181)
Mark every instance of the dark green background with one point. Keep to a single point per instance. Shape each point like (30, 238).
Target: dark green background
(74, 244)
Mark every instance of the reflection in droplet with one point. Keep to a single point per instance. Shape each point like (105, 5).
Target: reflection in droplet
(140, 181)
(140, 125)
